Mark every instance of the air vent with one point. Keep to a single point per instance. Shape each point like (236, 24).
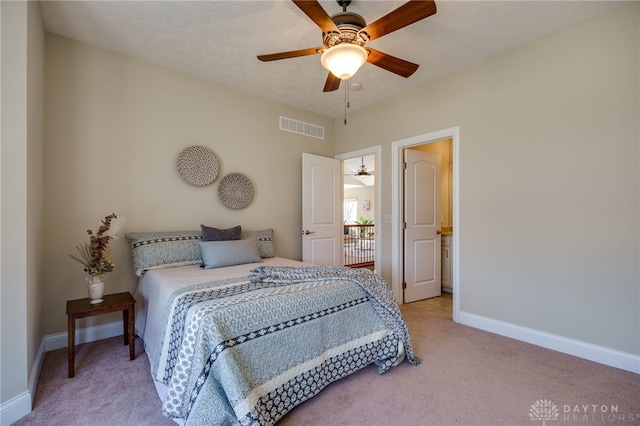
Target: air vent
(301, 128)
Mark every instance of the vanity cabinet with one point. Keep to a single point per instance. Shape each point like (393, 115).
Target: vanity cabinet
(447, 264)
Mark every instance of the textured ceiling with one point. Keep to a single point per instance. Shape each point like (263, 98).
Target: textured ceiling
(219, 40)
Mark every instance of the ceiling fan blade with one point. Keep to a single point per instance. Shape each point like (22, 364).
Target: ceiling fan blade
(291, 54)
(318, 15)
(332, 83)
(391, 63)
(407, 14)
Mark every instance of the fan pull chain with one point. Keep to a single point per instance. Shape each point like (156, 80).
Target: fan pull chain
(346, 100)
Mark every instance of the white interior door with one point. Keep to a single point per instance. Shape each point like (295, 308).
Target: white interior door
(321, 210)
(422, 269)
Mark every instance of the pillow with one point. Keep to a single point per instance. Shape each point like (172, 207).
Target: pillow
(154, 250)
(215, 234)
(216, 254)
(264, 239)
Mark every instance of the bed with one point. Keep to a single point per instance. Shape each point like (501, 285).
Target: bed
(244, 344)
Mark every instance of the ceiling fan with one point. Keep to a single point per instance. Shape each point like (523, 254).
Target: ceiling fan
(362, 171)
(346, 33)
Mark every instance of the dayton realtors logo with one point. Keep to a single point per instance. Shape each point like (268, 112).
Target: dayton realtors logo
(545, 410)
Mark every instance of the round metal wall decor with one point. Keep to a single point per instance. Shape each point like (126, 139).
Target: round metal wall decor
(198, 165)
(235, 191)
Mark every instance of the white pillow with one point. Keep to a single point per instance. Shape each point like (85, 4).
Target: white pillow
(216, 254)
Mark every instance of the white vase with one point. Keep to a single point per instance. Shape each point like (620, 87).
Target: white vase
(96, 288)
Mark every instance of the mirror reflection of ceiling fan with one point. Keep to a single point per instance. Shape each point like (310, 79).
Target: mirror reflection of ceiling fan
(346, 34)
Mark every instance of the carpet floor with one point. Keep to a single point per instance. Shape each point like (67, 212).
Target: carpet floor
(467, 377)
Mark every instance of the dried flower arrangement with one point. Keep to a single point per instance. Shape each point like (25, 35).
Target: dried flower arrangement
(95, 254)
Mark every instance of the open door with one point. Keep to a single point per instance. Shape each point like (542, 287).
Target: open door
(422, 251)
(321, 210)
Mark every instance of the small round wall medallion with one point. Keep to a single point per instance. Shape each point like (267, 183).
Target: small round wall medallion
(235, 191)
(198, 165)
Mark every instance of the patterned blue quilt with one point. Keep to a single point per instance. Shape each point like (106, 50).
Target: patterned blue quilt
(247, 350)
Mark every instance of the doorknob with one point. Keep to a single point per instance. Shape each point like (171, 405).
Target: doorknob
(438, 232)
(307, 232)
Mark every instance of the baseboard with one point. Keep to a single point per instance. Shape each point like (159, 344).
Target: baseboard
(589, 351)
(20, 406)
(37, 367)
(15, 408)
(84, 335)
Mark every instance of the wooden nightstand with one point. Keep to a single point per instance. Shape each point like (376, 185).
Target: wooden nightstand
(81, 308)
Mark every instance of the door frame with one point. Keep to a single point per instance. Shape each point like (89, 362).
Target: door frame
(397, 211)
(377, 151)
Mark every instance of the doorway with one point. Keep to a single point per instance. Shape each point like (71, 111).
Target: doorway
(397, 150)
(361, 240)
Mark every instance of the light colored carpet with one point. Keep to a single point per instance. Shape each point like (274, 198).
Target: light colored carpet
(467, 377)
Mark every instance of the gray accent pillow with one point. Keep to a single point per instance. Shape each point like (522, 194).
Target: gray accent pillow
(154, 250)
(214, 234)
(264, 239)
(216, 254)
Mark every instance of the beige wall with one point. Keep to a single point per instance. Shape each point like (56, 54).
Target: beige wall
(549, 174)
(549, 179)
(13, 230)
(115, 127)
(21, 199)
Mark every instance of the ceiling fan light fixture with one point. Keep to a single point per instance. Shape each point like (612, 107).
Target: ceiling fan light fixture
(362, 170)
(343, 60)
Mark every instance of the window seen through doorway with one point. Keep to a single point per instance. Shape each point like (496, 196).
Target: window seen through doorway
(350, 211)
